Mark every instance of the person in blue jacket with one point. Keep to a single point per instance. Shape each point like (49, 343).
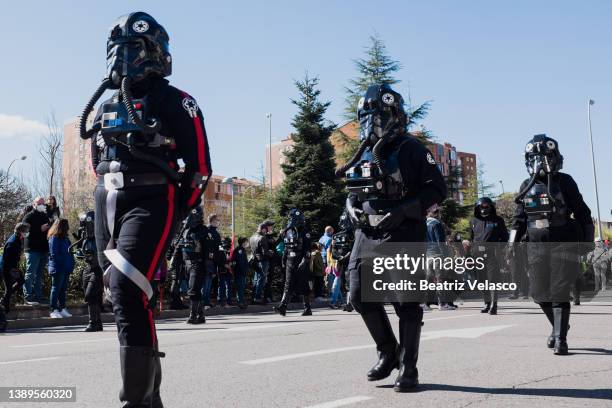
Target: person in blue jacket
(61, 264)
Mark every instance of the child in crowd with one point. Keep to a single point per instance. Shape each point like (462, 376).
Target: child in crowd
(61, 264)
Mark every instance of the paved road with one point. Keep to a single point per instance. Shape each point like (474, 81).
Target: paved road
(263, 360)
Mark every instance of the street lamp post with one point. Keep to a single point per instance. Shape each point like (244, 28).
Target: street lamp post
(10, 164)
(592, 102)
(501, 182)
(230, 181)
(269, 116)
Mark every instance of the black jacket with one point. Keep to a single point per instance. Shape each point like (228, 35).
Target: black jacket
(11, 253)
(36, 241)
(182, 120)
(576, 207)
(489, 229)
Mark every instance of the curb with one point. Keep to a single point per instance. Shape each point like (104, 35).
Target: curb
(80, 317)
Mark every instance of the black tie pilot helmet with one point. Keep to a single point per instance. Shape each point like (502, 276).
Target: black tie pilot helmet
(296, 219)
(381, 113)
(542, 156)
(195, 217)
(137, 48)
(484, 207)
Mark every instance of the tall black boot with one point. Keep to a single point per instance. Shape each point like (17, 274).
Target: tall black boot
(408, 378)
(281, 309)
(493, 310)
(95, 321)
(138, 370)
(193, 314)
(307, 310)
(380, 329)
(200, 318)
(548, 311)
(156, 401)
(3, 322)
(561, 320)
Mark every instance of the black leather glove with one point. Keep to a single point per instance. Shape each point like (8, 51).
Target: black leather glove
(409, 209)
(353, 212)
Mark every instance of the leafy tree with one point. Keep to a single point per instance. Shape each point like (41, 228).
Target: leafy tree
(309, 182)
(14, 197)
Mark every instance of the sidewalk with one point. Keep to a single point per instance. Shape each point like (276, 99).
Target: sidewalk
(26, 317)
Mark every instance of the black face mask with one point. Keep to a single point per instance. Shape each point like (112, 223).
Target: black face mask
(485, 212)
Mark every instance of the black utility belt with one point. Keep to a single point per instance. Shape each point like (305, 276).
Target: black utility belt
(119, 180)
(545, 223)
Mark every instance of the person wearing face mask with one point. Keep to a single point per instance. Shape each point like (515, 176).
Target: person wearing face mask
(551, 212)
(259, 244)
(36, 250)
(9, 263)
(274, 260)
(392, 179)
(239, 264)
(487, 230)
(212, 243)
(53, 211)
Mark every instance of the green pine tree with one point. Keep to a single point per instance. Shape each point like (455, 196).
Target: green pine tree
(376, 67)
(309, 182)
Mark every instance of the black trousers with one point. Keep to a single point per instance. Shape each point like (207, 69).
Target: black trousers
(296, 278)
(177, 274)
(491, 273)
(406, 311)
(11, 285)
(519, 269)
(196, 272)
(133, 231)
(92, 284)
(553, 264)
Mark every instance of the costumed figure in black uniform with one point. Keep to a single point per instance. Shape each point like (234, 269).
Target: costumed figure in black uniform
(487, 230)
(551, 211)
(296, 261)
(138, 135)
(392, 180)
(341, 247)
(194, 247)
(92, 275)
(177, 268)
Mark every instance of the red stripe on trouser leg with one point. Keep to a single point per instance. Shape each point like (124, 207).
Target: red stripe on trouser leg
(156, 255)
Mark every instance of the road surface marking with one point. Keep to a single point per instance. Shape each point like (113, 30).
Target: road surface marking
(451, 317)
(469, 333)
(307, 354)
(163, 335)
(28, 361)
(341, 402)
(466, 333)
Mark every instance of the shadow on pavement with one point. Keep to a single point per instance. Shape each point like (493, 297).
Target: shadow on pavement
(603, 393)
(593, 351)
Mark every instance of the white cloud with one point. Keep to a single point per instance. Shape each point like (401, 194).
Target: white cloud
(15, 126)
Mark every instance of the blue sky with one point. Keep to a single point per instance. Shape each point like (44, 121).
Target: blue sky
(496, 72)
